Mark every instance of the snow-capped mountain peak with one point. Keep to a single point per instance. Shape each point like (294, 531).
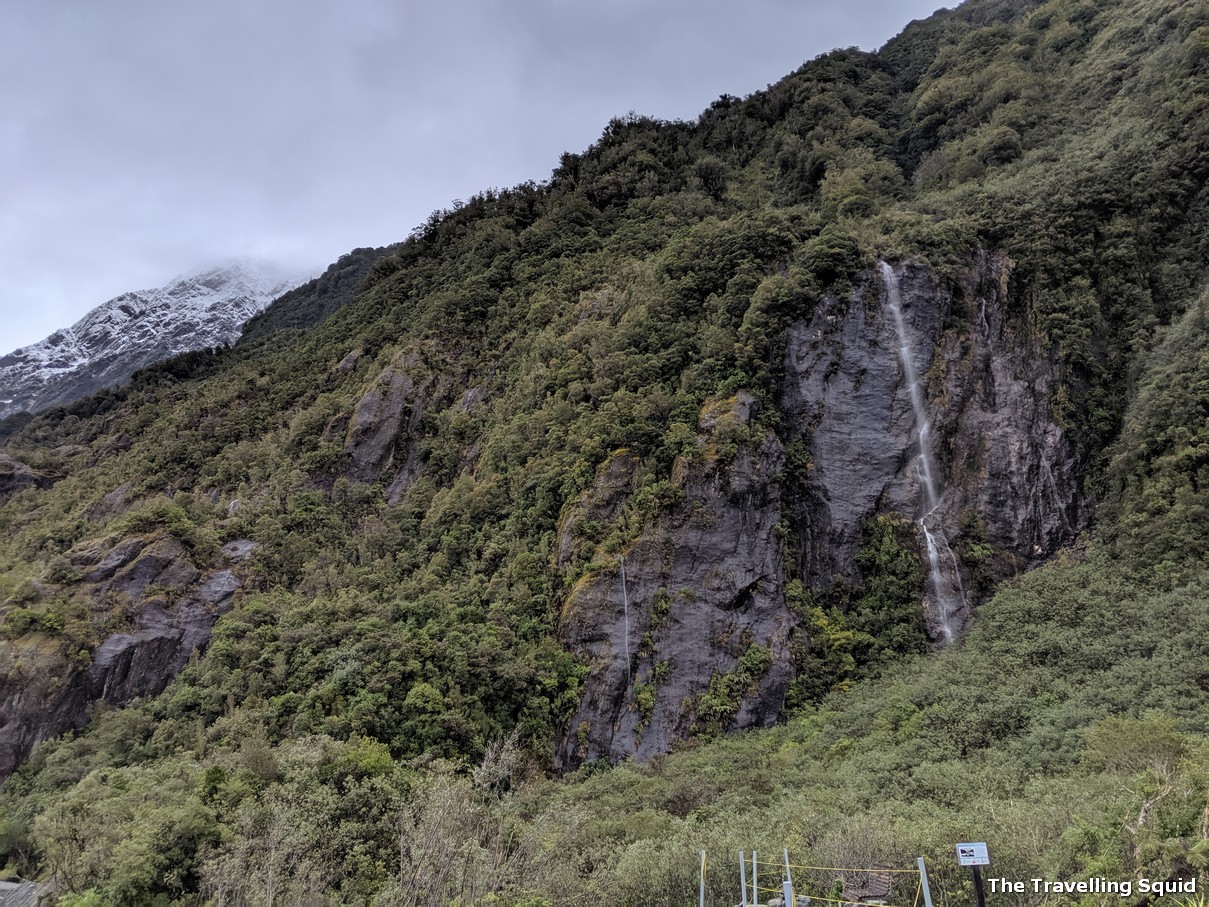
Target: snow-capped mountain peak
(133, 330)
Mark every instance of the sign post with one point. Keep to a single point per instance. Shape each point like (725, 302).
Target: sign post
(974, 854)
(923, 882)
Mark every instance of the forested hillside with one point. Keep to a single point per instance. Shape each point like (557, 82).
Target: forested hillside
(586, 531)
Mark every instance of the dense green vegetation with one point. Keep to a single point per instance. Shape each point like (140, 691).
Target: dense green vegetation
(307, 305)
(375, 720)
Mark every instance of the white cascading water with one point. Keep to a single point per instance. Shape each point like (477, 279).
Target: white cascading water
(625, 605)
(944, 577)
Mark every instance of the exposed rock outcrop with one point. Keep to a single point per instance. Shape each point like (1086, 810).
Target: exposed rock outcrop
(141, 663)
(383, 435)
(696, 628)
(133, 565)
(173, 607)
(1002, 457)
(1009, 460)
(16, 477)
(111, 448)
(697, 591)
(599, 505)
(114, 503)
(239, 550)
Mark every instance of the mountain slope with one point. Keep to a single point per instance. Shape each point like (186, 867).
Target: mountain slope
(113, 341)
(622, 462)
(305, 306)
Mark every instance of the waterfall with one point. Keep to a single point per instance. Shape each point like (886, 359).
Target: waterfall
(944, 577)
(1053, 490)
(625, 606)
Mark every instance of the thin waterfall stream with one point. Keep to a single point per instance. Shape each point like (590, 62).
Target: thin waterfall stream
(625, 606)
(944, 577)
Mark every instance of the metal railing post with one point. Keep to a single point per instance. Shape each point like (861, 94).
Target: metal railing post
(923, 882)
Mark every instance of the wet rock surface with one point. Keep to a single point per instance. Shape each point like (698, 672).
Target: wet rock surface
(704, 581)
(1008, 459)
(701, 587)
(843, 400)
(132, 566)
(1001, 456)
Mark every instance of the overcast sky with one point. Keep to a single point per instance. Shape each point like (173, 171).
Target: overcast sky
(143, 139)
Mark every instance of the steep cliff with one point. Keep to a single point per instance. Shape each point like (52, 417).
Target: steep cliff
(654, 450)
(687, 626)
(1003, 464)
(687, 629)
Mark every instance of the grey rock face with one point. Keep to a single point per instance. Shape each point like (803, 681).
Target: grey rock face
(239, 549)
(386, 417)
(16, 477)
(844, 399)
(112, 504)
(1000, 454)
(134, 565)
(701, 587)
(127, 665)
(704, 582)
(383, 434)
(1008, 459)
(39, 700)
(114, 446)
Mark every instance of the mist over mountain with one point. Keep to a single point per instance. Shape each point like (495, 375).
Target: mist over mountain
(826, 474)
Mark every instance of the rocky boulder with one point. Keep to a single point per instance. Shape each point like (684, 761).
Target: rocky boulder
(16, 477)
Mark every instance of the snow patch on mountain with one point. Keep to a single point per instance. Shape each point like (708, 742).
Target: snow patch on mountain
(131, 331)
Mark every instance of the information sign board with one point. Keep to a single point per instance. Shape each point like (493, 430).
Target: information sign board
(973, 854)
